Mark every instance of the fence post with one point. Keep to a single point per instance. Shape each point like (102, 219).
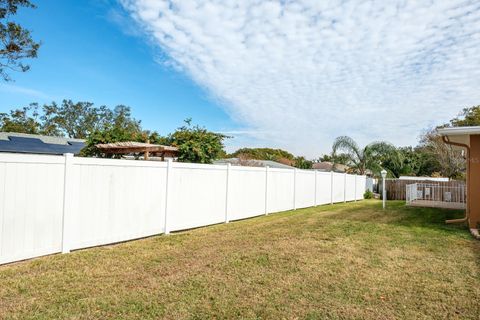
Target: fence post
(295, 189)
(345, 187)
(229, 168)
(167, 192)
(315, 201)
(266, 189)
(67, 202)
(331, 187)
(356, 176)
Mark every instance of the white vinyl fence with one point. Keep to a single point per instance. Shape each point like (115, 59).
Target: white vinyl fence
(51, 204)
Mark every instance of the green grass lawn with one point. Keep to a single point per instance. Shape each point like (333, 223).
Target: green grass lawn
(346, 261)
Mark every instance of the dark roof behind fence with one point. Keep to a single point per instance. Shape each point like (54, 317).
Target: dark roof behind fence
(37, 144)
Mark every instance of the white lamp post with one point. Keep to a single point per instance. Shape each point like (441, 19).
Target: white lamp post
(384, 192)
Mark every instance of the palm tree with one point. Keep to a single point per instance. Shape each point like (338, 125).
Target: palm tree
(370, 157)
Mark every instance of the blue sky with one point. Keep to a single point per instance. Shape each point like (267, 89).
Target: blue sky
(286, 74)
(87, 56)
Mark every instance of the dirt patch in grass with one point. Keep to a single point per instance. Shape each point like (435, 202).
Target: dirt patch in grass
(347, 261)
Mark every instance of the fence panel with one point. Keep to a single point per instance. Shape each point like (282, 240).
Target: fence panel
(51, 204)
(197, 196)
(338, 187)
(305, 189)
(324, 187)
(116, 200)
(31, 206)
(350, 185)
(363, 184)
(245, 202)
(280, 190)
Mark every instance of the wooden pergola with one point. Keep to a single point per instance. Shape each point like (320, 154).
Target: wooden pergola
(129, 147)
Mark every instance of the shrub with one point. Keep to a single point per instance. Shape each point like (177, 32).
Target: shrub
(196, 144)
(368, 194)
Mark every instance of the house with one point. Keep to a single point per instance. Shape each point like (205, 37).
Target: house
(14, 142)
(328, 166)
(253, 163)
(468, 139)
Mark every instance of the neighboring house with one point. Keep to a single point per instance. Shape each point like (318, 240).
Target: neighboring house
(328, 166)
(253, 163)
(37, 144)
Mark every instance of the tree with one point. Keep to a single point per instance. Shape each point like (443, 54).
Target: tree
(72, 119)
(429, 163)
(442, 158)
(16, 43)
(409, 164)
(24, 120)
(302, 163)
(155, 138)
(368, 158)
(262, 154)
(197, 144)
(438, 157)
(467, 117)
(341, 158)
(122, 127)
(277, 155)
(79, 119)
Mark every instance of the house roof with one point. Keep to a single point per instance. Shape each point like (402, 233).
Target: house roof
(455, 131)
(327, 166)
(32, 143)
(253, 163)
(459, 134)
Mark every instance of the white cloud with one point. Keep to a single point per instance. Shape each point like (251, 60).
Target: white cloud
(9, 88)
(300, 73)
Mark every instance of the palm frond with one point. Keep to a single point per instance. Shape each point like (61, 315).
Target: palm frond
(348, 145)
(378, 152)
